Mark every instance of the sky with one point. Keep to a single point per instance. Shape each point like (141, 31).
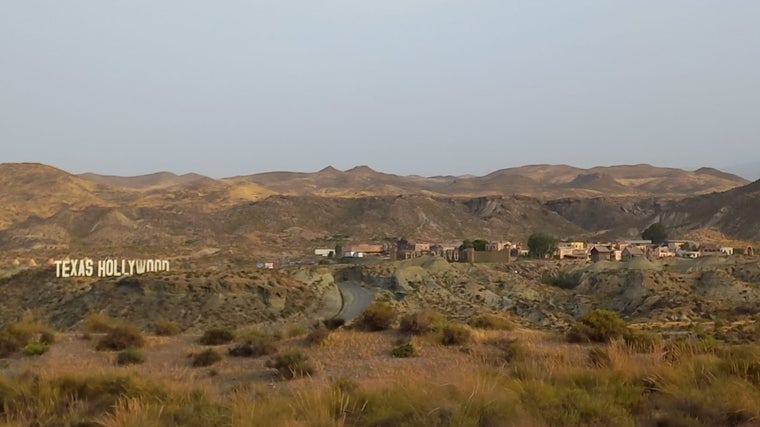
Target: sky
(427, 87)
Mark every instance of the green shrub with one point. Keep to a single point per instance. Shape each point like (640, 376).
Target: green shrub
(130, 356)
(491, 321)
(254, 347)
(36, 348)
(16, 336)
(207, 357)
(120, 338)
(405, 350)
(455, 334)
(378, 316)
(598, 326)
(167, 328)
(291, 365)
(217, 336)
(420, 322)
(318, 336)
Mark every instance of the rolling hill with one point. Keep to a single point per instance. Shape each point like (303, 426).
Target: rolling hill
(540, 181)
(286, 212)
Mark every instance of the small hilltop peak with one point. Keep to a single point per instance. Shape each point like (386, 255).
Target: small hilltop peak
(329, 169)
(362, 169)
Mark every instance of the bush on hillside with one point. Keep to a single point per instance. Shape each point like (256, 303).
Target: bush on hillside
(420, 322)
(405, 350)
(291, 365)
(254, 347)
(16, 336)
(598, 326)
(167, 328)
(217, 336)
(378, 316)
(120, 338)
(130, 356)
(491, 321)
(98, 323)
(207, 357)
(455, 334)
(36, 348)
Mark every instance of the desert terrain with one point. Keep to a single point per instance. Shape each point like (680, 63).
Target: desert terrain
(221, 339)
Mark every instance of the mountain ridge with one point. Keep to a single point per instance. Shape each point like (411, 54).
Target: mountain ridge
(47, 207)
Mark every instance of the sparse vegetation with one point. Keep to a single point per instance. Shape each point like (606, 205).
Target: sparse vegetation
(98, 323)
(379, 316)
(253, 347)
(130, 356)
(420, 322)
(455, 334)
(167, 328)
(32, 338)
(318, 336)
(205, 358)
(598, 326)
(36, 348)
(120, 338)
(491, 321)
(504, 350)
(217, 336)
(291, 365)
(295, 331)
(405, 350)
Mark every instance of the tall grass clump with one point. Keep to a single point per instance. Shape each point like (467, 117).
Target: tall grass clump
(130, 356)
(455, 334)
(291, 365)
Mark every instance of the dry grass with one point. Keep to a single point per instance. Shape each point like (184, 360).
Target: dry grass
(357, 382)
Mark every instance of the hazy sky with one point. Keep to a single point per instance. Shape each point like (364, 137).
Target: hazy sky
(425, 87)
